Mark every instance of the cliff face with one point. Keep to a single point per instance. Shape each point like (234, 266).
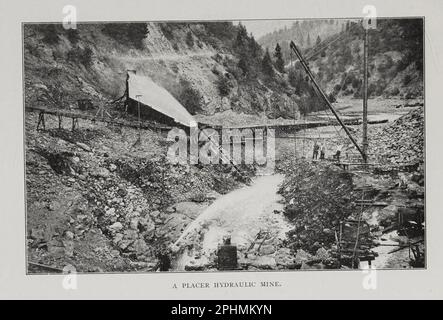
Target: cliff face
(62, 66)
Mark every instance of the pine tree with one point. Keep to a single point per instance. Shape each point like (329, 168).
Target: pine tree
(308, 41)
(241, 40)
(267, 64)
(189, 39)
(279, 62)
(302, 41)
(254, 48)
(243, 63)
(318, 41)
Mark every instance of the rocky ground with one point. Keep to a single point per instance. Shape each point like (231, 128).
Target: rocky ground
(97, 202)
(402, 141)
(320, 195)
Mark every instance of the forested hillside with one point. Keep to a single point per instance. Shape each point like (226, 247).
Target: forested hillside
(395, 61)
(209, 67)
(305, 33)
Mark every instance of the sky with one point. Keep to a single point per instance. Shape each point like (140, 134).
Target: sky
(261, 27)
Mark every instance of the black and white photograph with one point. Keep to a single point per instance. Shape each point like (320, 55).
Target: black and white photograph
(224, 145)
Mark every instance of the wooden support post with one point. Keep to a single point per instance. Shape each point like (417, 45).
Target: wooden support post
(139, 119)
(60, 117)
(74, 123)
(41, 120)
(365, 96)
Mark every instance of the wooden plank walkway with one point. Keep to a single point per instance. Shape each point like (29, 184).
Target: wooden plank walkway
(306, 125)
(75, 115)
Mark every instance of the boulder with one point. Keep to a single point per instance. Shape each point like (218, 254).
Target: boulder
(124, 244)
(115, 227)
(267, 249)
(84, 146)
(302, 257)
(322, 254)
(117, 238)
(387, 214)
(130, 235)
(69, 235)
(100, 173)
(56, 248)
(147, 224)
(140, 247)
(37, 234)
(69, 248)
(134, 223)
(264, 262)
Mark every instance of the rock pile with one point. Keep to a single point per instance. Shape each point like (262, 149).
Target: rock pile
(401, 142)
(317, 198)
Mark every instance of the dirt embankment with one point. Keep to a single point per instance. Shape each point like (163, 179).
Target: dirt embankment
(97, 202)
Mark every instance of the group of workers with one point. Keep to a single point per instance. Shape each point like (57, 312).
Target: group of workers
(322, 150)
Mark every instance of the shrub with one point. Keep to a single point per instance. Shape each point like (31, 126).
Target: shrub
(189, 39)
(234, 70)
(356, 83)
(223, 85)
(190, 98)
(73, 36)
(174, 68)
(411, 95)
(379, 89)
(348, 92)
(79, 55)
(386, 65)
(86, 57)
(372, 89)
(395, 91)
(168, 30)
(217, 57)
(407, 79)
(215, 71)
(292, 77)
(50, 34)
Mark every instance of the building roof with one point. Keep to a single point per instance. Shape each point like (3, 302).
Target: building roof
(158, 98)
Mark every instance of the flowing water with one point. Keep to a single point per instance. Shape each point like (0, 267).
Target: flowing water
(241, 214)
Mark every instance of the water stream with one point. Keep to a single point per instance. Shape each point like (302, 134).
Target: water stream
(241, 214)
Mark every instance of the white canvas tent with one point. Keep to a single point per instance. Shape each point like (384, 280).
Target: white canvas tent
(143, 89)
